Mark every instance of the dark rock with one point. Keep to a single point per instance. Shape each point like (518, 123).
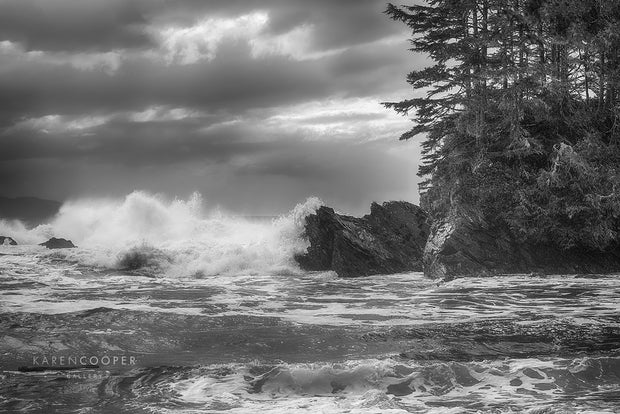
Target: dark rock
(141, 256)
(390, 239)
(463, 246)
(55, 243)
(5, 240)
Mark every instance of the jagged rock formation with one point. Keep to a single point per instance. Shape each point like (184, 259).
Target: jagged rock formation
(395, 237)
(5, 240)
(57, 243)
(390, 239)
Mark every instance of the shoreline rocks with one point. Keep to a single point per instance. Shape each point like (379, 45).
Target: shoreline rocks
(8, 241)
(398, 237)
(58, 243)
(390, 239)
(460, 246)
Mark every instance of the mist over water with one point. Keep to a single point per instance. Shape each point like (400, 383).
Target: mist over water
(171, 237)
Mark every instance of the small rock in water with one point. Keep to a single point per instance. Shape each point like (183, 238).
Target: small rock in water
(139, 257)
(58, 243)
(7, 241)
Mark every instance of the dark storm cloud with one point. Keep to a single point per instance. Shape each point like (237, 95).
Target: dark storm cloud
(136, 143)
(76, 25)
(119, 24)
(338, 23)
(342, 117)
(233, 82)
(268, 123)
(263, 149)
(273, 169)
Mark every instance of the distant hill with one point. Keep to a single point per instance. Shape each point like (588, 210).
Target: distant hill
(30, 210)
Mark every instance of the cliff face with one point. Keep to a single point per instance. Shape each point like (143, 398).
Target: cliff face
(390, 239)
(459, 246)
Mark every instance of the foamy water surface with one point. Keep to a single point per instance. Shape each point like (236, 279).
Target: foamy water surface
(221, 319)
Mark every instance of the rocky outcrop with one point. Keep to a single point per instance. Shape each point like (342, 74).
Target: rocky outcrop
(390, 239)
(5, 240)
(395, 237)
(57, 243)
(461, 246)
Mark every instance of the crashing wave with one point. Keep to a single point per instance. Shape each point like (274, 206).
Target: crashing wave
(175, 237)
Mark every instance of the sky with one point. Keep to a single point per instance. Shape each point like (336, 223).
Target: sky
(257, 105)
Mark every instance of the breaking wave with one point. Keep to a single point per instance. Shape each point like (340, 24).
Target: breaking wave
(172, 237)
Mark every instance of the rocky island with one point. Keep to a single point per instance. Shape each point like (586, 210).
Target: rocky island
(398, 237)
(517, 115)
(58, 243)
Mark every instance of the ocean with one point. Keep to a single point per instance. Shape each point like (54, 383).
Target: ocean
(164, 308)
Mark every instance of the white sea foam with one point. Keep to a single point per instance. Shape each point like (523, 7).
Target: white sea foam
(385, 385)
(174, 237)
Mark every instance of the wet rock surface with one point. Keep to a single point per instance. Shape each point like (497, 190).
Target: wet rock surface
(58, 243)
(390, 239)
(459, 246)
(5, 240)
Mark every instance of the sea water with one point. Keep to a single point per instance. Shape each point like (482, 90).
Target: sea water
(218, 317)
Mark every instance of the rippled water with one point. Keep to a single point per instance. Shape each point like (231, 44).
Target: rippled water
(305, 342)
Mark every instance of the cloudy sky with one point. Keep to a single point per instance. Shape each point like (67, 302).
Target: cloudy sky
(255, 104)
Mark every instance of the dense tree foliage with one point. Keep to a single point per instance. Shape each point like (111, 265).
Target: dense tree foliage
(520, 114)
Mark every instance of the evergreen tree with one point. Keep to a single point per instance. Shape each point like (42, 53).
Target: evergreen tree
(520, 114)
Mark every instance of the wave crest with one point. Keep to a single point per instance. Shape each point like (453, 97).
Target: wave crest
(176, 237)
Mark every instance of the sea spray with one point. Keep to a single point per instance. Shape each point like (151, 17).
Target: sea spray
(20, 233)
(172, 237)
